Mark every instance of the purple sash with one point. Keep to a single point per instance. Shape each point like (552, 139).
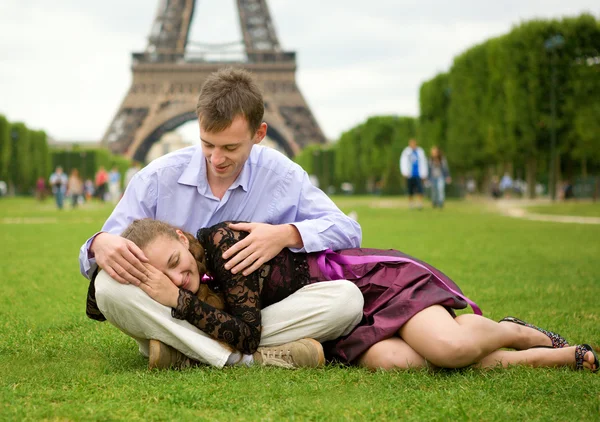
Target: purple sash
(330, 263)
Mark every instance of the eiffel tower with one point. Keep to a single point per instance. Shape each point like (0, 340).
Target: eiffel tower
(167, 80)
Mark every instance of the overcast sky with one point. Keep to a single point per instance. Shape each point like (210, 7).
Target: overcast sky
(65, 64)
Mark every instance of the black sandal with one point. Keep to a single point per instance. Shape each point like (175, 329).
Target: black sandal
(580, 352)
(558, 341)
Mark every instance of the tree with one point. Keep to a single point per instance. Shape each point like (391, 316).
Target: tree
(20, 164)
(5, 148)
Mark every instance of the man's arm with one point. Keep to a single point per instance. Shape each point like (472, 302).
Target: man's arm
(107, 249)
(305, 220)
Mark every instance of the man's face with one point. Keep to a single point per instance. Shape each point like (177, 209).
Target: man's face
(226, 152)
(412, 143)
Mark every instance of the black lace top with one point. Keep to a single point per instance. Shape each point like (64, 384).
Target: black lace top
(239, 325)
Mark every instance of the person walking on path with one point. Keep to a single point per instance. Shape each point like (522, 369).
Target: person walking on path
(114, 185)
(75, 187)
(58, 181)
(413, 166)
(101, 183)
(439, 176)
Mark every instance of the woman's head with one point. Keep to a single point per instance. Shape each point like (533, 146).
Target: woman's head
(435, 152)
(176, 253)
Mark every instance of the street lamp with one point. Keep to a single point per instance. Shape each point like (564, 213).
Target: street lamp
(552, 44)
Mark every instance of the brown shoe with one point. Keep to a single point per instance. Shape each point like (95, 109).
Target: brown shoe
(163, 356)
(305, 353)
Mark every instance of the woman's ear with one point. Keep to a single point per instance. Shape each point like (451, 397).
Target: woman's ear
(182, 238)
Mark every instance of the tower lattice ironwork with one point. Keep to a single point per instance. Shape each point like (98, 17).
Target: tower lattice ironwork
(167, 78)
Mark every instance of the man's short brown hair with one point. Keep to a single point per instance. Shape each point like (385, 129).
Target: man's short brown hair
(226, 94)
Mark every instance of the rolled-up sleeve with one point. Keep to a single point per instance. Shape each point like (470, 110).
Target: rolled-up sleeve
(321, 224)
(139, 201)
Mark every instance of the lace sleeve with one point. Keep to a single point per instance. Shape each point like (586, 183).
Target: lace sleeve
(240, 324)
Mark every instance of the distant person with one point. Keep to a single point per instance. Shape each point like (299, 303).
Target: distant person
(75, 187)
(58, 182)
(101, 183)
(3, 188)
(413, 166)
(40, 188)
(506, 185)
(88, 189)
(439, 176)
(114, 185)
(131, 171)
(495, 188)
(471, 185)
(567, 190)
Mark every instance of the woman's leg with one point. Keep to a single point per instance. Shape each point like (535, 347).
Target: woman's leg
(537, 358)
(457, 342)
(441, 191)
(392, 353)
(395, 353)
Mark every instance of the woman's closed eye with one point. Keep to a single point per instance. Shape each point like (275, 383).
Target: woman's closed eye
(173, 260)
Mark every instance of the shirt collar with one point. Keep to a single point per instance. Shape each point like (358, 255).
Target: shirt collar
(195, 172)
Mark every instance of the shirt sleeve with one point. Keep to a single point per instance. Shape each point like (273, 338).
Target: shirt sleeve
(239, 325)
(138, 201)
(321, 224)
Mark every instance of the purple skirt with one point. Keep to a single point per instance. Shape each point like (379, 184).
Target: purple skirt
(394, 292)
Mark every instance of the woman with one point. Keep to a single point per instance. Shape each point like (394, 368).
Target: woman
(74, 187)
(408, 317)
(439, 176)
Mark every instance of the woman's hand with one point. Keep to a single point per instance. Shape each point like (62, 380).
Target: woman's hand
(160, 287)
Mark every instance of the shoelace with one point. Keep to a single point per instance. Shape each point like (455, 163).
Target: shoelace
(276, 358)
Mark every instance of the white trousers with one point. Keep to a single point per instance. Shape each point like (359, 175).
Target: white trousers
(322, 311)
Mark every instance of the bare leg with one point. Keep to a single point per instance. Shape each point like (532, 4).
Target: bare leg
(537, 358)
(395, 353)
(455, 343)
(392, 353)
(524, 337)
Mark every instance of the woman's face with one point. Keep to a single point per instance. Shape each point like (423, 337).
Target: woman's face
(173, 258)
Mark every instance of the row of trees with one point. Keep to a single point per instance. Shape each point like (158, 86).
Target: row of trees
(490, 113)
(493, 110)
(24, 155)
(365, 156)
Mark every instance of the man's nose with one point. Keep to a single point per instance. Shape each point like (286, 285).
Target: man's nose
(217, 156)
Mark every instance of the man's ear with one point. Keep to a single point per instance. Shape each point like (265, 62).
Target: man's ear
(260, 133)
(183, 238)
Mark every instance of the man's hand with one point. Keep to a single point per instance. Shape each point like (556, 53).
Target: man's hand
(120, 258)
(160, 287)
(263, 243)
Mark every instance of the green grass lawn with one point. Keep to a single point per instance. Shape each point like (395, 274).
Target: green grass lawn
(55, 364)
(582, 209)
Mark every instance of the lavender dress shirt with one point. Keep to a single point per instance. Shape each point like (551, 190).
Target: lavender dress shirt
(270, 189)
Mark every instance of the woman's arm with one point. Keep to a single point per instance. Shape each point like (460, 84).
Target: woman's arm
(240, 325)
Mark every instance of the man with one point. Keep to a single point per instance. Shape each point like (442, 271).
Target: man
(413, 166)
(227, 178)
(58, 182)
(114, 184)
